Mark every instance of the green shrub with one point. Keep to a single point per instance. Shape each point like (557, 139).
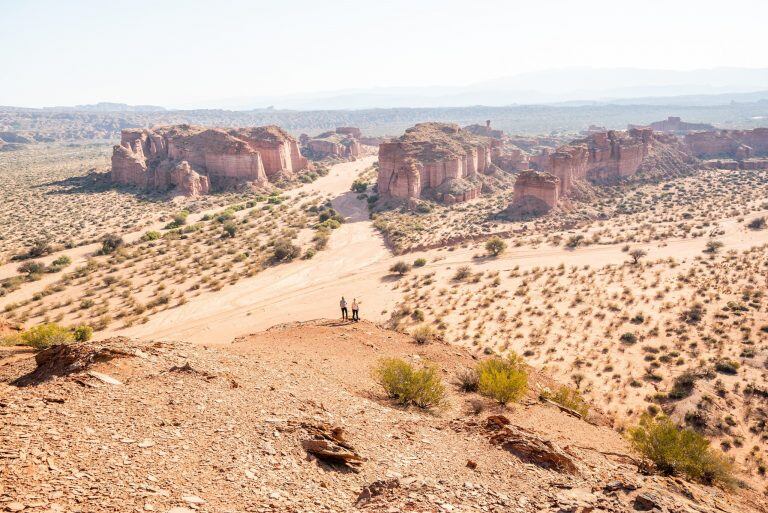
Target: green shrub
(424, 334)
(82, 333)
(150, 235)
(31, 267)
(568, 398)
(682, 386)
(408, 385)
(495, 246)
(359, 186)
(330, 223)
(676, 450)
(574, 241)
(58, 264)
(44, 336)
(713, 246)
(757, 223)
(503, 379)
(230, 229)
(420, 262)
(727, 366)
(628, 338)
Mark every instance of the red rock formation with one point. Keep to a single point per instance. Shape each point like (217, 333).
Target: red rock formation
(351, 131)
(340, 143)
(279, 151)
(429, 155)
(194, 159)
(188, 181)
(608, 156)
(535, 192)
(737, 144)
(674, 125)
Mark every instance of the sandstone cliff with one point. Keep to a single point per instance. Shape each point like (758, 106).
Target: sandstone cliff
(535, 193)
(342, 143)
(196, 159)
(605, 157)
(431, 156)
(735, 144)
(675, 125)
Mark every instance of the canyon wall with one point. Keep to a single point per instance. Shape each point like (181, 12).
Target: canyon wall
(735, 144)
(535, 193)
(342, 143)
(675, 125)
(602, 157)
(440, 157)
(195, 159)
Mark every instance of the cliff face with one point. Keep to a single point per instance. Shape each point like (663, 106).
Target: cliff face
(736, 144)
(341, 143)
(427, 156)
(603, 157)
(675, 125)
(194, 159)
(535, 192)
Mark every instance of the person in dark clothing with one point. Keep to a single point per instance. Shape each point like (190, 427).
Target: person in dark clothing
(344, 313)
(355, 310)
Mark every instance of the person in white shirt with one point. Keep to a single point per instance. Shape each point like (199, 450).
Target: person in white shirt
(343, 305)
(355, 310)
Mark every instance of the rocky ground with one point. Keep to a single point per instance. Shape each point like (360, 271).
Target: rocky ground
(121, 425)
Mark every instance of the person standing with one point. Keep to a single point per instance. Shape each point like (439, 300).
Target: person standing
(355, 310)
(343, 305)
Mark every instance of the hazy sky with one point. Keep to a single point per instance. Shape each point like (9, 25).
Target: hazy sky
(174, 53)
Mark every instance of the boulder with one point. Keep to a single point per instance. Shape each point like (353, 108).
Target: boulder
(528, 446)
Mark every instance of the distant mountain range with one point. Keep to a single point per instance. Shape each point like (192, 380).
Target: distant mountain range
(560, 87)
(577, 86)
(109, 107)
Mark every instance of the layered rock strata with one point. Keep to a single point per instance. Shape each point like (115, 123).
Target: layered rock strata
(430, 157)
(605, 157)
(536, 192)
(733, 144)
(196, 159)
(675, 125)
(342, 143)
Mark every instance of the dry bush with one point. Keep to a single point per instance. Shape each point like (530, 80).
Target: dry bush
(424, 334)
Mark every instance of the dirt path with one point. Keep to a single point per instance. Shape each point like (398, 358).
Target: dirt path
(339, 178)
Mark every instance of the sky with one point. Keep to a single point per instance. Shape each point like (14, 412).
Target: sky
(184, 53)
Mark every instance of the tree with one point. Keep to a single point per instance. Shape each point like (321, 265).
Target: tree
(31, 267)
(713, 246)
(637, 254)
(400, 268)
(285, 251)
(757, 223)
(495, 246)
(230, 229)
(110, 243)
